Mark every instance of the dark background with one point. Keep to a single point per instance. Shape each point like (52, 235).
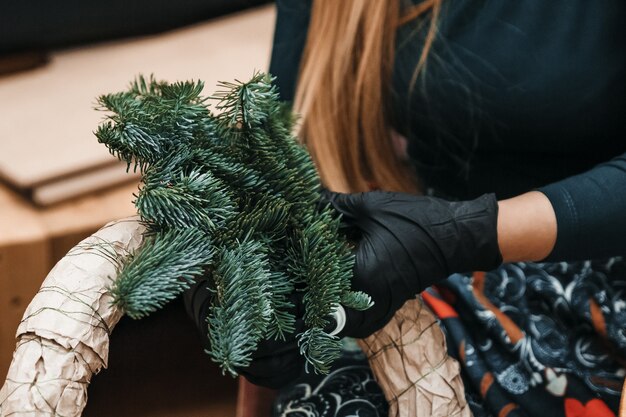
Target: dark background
(37, 25)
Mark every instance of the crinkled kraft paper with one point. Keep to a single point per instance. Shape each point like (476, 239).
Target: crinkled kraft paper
(410, 362)
(63, 338)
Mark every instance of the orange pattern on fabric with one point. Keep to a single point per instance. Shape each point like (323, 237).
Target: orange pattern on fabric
(485, 384)
(599, 381)
(507, 409)
(599, 325)
(597, 318)
(593, 408)
(442, 309)
(447, 295)
(509, 326)
(462, 351)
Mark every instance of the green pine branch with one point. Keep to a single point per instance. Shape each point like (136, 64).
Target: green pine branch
(235, 196)
(196, 200)
(242, 313)
(163, 268)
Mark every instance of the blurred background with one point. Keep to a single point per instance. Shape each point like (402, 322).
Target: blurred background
(58, 185)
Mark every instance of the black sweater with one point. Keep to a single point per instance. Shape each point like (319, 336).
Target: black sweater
(517, 96)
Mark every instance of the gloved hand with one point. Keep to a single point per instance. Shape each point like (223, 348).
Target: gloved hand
(406, 243)
(275, 362)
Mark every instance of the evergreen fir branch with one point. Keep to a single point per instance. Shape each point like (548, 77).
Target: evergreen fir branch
(141, 86)
(300, 172)
(183, 92)
(243, 182)
(180, 92)
(245, 105)
(241, 314)
(131, 143)
(119, 104)
(153, 118)
(162, 268)
(282, 322)
(282, 180)
(297, 161)
(241, 178)
(320, 272)
(356, 300)
(196, 200)
(261, 217)
(319, 349)
(280, 125)
(343, 262)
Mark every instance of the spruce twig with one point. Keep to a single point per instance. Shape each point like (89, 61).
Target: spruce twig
(235, 197)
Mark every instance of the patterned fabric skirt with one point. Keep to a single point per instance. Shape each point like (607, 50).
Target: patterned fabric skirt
(532, 339)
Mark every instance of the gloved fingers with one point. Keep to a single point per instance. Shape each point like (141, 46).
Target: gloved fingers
(361, 324)
(197, 300)
(194, 296)
(275, 371)
(275, 363)
(277, 346)
(324, 202)
(273, 347)
(198, 295)
(348, 205)
(296, 298)
(354, 322)
(325, 196)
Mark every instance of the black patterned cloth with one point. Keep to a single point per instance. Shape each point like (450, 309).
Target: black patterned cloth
(532, 339)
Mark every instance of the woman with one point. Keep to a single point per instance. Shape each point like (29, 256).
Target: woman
(507, 118)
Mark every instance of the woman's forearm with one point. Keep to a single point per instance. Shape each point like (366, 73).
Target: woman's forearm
(527, 227)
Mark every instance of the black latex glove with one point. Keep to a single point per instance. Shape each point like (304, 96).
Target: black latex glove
(406, 243)
(275, 363)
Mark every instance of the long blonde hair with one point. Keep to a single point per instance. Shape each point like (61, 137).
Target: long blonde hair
(343, 89)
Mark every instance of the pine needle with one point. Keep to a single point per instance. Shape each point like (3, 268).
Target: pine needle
(233, 196)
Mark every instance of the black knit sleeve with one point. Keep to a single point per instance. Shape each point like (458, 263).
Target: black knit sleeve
(591, 212)
(292, 22)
